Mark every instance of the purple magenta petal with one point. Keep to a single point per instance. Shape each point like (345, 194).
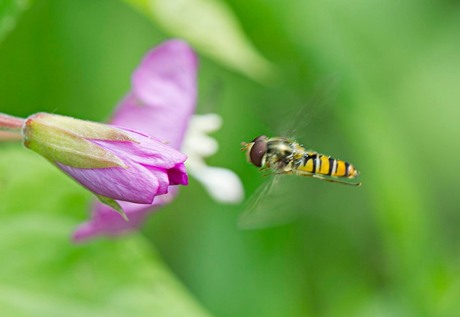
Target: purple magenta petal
(163, 179)
(134, 183)
(160, 105)
(178, 175)
(147, 152)
(164, 94)
(105, 222)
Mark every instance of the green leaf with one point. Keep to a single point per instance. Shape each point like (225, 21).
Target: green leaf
(9, 12)
(113, 204)
(42, 273)
(211, 27)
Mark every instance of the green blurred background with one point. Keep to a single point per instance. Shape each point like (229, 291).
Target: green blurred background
(387, 77)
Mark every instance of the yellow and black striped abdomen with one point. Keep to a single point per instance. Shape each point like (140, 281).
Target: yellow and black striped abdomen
(315, 163)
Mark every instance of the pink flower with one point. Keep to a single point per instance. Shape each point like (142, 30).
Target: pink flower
(160, 103)
(114, 163)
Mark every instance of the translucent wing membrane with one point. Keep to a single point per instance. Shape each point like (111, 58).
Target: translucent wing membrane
(277, 201)
(294, 124)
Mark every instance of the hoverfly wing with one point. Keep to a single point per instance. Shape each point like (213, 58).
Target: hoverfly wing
(317, 104)
(272, 204)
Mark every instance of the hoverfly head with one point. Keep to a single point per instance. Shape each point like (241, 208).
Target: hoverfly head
(255, 150)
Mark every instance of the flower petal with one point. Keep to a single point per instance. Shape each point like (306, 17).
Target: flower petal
(135, 183)
(160, 104)
(197, 141)
(105, 221)
(222, 184)
(164, 93)
(147, 151)
(163, 179)
(178, 175)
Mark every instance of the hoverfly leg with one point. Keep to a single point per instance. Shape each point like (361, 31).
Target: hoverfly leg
(265, 171)
(332, 180)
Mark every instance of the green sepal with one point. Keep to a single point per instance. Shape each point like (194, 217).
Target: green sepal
(83, 128)
(65, 140)
(113, 204)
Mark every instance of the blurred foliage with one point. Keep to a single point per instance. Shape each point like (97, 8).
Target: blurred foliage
(212, 28)
(43, 274)
(389, 248)
(9, 12)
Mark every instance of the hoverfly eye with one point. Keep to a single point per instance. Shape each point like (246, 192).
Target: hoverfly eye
(260, 138)
(258, 150)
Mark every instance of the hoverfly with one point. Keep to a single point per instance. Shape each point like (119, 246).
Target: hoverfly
(284, 156)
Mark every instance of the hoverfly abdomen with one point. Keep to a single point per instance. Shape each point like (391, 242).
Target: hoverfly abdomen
(325, 165)
(344, 169)
(309, 162)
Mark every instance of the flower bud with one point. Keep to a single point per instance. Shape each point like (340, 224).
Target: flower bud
(112, 162)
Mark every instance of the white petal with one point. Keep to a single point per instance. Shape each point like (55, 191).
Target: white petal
(208, 122)
(197, 142)
(222, 184)
(199, 145)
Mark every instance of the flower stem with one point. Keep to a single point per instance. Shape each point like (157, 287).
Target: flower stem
(10, 123)
(9, 136)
